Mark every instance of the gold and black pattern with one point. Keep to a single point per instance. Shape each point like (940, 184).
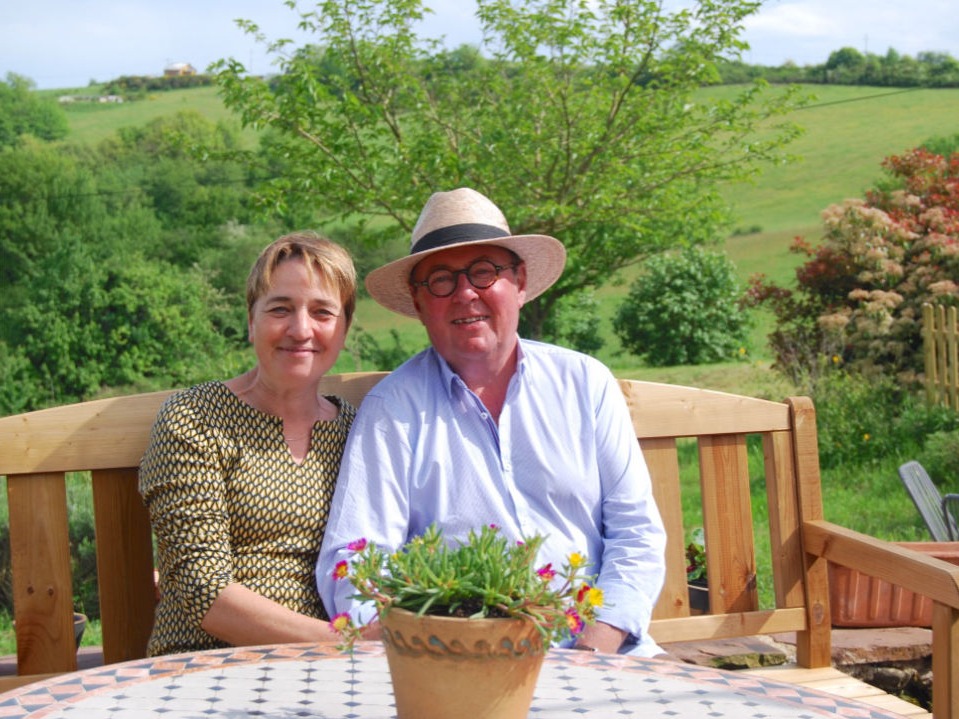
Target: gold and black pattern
(228, 503)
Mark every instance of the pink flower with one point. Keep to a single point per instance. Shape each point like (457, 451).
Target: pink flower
(574, 621)
(357, 545)
(341, 570)
(546, 573)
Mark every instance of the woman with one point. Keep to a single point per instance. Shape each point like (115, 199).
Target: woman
(239, 474)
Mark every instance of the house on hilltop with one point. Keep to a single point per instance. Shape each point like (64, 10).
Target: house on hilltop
(179, 69)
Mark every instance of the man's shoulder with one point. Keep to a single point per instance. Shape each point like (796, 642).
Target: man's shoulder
(562, 357)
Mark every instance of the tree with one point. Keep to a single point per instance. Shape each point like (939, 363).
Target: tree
(22, 112)
(582, 119)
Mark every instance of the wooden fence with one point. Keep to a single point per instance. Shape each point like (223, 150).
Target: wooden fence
(940, 342)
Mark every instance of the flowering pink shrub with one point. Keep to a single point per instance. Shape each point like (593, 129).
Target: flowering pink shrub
(859, 296)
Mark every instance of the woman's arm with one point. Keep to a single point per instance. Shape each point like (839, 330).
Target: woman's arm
(241, 617)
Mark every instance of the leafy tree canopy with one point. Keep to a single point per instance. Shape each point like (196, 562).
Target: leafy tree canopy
(23, 112)
(580, 118)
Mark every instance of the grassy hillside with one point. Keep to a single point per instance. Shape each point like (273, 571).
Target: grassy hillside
(92, 122)
(848, 131)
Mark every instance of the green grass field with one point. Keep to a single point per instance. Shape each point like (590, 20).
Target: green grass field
(93, 122)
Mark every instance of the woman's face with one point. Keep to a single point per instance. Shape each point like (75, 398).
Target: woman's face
(297, 327)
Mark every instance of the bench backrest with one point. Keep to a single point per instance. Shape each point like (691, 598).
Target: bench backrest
(107, 438)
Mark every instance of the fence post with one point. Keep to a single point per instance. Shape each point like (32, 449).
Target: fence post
(940, 341)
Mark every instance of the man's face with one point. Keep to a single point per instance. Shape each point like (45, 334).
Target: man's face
(472, 326)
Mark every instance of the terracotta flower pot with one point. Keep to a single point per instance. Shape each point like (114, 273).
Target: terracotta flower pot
(858, 600)
(451, 668)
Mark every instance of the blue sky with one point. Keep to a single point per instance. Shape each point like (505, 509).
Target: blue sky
(67, 43)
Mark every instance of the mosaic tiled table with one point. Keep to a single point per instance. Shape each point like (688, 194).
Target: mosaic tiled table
(306, 680)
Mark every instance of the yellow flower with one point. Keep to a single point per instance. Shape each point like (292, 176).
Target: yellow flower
(576, 560)
(341, 622)
(866, 437)
(836, 359)
(594, 597)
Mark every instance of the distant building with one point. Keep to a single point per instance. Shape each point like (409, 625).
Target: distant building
(179, 68)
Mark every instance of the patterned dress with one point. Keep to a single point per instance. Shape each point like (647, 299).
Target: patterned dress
(228, 503)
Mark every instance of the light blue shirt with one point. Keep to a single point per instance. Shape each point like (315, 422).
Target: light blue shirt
(563, 462)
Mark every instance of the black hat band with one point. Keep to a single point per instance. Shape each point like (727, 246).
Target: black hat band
(467, 232)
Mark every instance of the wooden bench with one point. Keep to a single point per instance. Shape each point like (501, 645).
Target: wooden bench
(677, 426)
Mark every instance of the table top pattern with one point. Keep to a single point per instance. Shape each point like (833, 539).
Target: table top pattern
(307, 680)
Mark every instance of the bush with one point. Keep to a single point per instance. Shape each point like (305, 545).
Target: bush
(863, 420)
(685, 309)
(940, 457)
(860, 293)
(574, 322)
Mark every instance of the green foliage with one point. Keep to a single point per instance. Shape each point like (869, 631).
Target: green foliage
(865, 420)
(89, 325)
(573, 323)
(23, 112)
(696, 556)
(593, 108)
(940, 457)
(372, 355)
(683, 310)
(138, 85)
(486, 575)
(120, 262)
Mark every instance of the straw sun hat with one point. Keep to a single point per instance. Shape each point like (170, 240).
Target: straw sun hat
(454, 219)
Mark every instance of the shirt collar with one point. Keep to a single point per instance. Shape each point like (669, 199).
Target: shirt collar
(450, 378)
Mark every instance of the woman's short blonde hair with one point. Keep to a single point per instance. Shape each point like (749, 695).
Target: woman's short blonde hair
(324, 257)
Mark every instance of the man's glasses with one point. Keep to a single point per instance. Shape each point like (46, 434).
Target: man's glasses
(481, 274)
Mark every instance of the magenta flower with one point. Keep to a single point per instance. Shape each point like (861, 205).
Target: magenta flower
(546, 573)
(357, 545)
(574, 621)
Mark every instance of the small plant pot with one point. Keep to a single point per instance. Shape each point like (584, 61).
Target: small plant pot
(452, 668)
(79, 627)
(698, 598)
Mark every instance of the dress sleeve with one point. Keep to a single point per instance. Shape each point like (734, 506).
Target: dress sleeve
(182, 480)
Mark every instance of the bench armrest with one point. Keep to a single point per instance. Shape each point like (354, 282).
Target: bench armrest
(917, 572)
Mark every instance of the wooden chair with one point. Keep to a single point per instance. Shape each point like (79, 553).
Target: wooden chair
(925, 495)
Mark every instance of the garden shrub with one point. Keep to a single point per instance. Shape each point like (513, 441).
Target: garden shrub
(940, 457)
(859, 295)
(684, 309)
(862, 420)
(573, 322)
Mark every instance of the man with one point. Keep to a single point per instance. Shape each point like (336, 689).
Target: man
(486, 428)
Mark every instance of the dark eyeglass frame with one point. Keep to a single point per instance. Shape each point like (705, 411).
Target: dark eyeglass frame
(468, 271)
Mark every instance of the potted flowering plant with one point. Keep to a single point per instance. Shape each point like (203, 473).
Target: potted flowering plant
(456, 614)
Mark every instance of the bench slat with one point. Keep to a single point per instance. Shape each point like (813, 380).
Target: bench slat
(40, 561)
(124, 564)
